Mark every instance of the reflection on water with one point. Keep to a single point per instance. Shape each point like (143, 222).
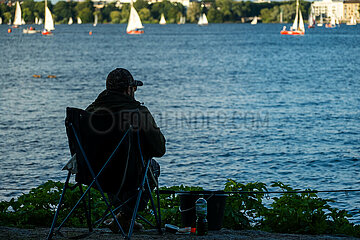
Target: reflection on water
(233, 100)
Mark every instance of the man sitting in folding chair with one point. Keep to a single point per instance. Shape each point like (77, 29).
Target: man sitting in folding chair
(112, 144)
(119, 98)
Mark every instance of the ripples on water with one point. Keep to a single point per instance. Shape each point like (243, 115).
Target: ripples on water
(233, 100)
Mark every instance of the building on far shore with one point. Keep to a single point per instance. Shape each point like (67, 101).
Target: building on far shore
(329, 8)
(351, 9)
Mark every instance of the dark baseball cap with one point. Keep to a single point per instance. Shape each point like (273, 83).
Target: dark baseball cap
(121, 78)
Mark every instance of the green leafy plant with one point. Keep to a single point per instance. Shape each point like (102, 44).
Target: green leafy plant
(292, 212)
(243, 210)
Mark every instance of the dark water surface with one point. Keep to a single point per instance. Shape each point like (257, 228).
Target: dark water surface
(233, 100)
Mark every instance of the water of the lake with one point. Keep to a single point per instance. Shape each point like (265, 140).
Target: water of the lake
(233, 100)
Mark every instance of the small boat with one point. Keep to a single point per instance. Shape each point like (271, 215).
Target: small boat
(71, 21)
(95, 20)
(203, 20)
(311, 21)
(332, 23)
(182, 20)
(17, 19)
(30, 30)
(40, 21)
(352, 21)
(162, 19)
(298, 27)
(79, 20)
(254, 21)
(134, 25)
(321, 22)
(0, 20)
(49, 22)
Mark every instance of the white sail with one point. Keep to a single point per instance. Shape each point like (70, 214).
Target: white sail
(352, 21)
(301, 22)
(95, 20)
(295, 24)
(281, 17)
(9, 23)
(36, 20)
(134, 21)
(254, 21)
(332, 21)
(162, 20)
(49, 22)
(17, 19)
(182, 20)
(40, 21)
(71, 21)
(203, 19)
(321, 21)
(311, 21)
(79, 20)
(0, 20)
(23, 22)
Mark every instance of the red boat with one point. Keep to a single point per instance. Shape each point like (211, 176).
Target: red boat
(298, 27)
(46, 32)
(135, 32)
(289, 32)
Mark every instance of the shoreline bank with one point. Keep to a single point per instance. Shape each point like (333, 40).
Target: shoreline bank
(11, 233)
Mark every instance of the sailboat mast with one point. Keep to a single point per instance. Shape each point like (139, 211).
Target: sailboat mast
(297, 12)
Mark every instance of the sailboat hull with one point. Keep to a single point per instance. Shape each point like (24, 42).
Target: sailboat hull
(285, 32)
(135, 32)
(46, 32)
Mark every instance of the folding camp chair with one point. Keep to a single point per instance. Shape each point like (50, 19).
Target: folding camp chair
(106, 155)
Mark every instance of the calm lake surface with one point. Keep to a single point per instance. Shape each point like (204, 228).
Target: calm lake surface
(233, 100)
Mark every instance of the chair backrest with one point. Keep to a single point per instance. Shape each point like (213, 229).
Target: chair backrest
(100, 134)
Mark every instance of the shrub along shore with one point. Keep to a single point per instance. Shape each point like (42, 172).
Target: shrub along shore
(295, 213)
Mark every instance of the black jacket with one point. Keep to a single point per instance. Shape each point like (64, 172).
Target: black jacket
(152, 140)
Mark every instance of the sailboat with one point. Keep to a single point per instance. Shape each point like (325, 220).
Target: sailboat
(17, 19)
(0, 20)
(352, 21)
(95, 20)
(281, 16)
(79, 20)
(162, 20)
(311, 21)
(40, 21)
(203, 20)
(298, 27)
(49, 22)
(182, 20)
(71, 21)
(254, 21)
(332, 23)
(321, 23)
(134, 25)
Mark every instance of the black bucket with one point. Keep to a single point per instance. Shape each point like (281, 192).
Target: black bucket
(215, 206)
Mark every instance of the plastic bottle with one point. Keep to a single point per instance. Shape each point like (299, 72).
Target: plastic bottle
(201, 213)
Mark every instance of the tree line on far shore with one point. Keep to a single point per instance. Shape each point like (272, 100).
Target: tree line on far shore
(217, 11)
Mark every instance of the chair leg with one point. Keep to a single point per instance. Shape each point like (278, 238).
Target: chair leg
(87, 212)
(159, 207)
(51, 233)
(157, 217)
